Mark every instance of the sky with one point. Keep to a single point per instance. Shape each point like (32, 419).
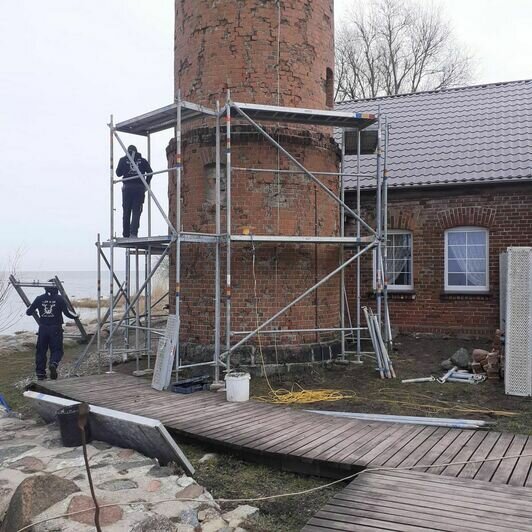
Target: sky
(66, 65)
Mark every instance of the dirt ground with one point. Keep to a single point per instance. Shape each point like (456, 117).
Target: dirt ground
(414, 357)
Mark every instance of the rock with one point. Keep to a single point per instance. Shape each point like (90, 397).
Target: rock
(108, 515)
(126, 453)
(52, 443)
(189, 517)
(71, 455)
(184, 481)
(28, 464)
(33, 496)
(479, 355)
(160, 472)
(207, 457)
(190, 492)
(447, 364)
(216, 525)
(125, 466)
(208, 514)
(158, 523)
(153, 486)
(12, 452)
(461, 358)
(240, 514)
(118, 485)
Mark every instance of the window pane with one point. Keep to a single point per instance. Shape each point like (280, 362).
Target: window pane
(456, 266)
(457, 252)
(476, 265)
(476, 279)
(476, 237)
(399, 259)
(476, 252)
(456, 237)
(457, 279)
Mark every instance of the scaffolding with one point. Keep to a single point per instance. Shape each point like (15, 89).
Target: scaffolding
(147, 249)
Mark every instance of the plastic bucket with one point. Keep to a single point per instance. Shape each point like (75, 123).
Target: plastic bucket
(237, 387)
(67, 418)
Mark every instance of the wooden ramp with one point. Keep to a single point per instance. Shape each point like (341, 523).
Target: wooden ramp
(304, 442)
(407, 501)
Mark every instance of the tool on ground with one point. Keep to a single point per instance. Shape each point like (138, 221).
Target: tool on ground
(420, 379)
(443, 379)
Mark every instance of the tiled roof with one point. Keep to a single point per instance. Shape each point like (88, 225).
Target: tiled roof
(464, 135)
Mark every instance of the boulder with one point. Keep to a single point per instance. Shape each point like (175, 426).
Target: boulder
(33, 496)
(447, 364)
(240, 514)
(461, 358)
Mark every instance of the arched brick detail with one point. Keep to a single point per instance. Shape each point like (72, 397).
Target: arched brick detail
(474, 216)
(403, 219)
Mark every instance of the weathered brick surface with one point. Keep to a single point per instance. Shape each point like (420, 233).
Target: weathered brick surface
(505, 210)
(233, 45)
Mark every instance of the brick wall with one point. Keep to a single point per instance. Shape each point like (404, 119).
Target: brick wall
(505, 210)
(240, 45)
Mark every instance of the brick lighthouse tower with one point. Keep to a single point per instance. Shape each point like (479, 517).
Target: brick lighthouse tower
(273, 53)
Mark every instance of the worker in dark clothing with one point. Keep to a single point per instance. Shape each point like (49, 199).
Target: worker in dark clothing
(133, 190)
(50, 308)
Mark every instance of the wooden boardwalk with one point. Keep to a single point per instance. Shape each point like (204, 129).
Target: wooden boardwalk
(300, 441)
(407, 501)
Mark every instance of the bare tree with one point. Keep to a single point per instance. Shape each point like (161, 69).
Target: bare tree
(397, 46)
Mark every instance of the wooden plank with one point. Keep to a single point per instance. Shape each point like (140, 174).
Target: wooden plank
(410, 447)
(523, 468)
(481, 452)
(487, 469)
(422, 449)
(430, 509)
(452, 520)
(466, 452)
(498, 492)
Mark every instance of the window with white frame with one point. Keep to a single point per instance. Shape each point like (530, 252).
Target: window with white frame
(399, 261)
(466, 259)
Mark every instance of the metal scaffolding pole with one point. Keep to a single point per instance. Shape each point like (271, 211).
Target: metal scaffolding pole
(378, 212)
(217, 289)
(178, 228)
(359, 297)
(137, 310)
(387, 326)
(111, 241)
(128, 295)
(341, 250)
(99, 300)
(228, 228)
(148, 263)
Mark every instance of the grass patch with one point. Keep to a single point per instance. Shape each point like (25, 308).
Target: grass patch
(228, 477)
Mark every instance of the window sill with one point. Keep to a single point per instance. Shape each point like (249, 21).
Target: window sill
(464, 296)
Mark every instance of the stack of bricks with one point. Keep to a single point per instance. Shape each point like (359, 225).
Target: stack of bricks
(489, 362)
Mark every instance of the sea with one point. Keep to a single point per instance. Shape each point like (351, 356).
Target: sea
(78, 285)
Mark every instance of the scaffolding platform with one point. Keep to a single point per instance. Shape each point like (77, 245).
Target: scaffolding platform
(301, 441)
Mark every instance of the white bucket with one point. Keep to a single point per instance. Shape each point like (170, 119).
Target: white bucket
(237, 387)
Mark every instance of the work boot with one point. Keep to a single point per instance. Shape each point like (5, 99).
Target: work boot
(41, 377)
(53, 373)
(133, 235)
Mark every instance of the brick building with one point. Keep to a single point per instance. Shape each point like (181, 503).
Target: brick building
(265, 53)
(460, 193)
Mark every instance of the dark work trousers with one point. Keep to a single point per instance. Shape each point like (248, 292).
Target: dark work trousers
(132, 200)
(49, 337)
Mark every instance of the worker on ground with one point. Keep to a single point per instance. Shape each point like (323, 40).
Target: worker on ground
(50, 308)
(133, 190)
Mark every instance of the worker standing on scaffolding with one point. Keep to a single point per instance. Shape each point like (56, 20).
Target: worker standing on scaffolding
(133, 189)
(50, 308)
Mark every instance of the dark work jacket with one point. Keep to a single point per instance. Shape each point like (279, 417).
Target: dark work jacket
(50, 307)
(126, 169)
